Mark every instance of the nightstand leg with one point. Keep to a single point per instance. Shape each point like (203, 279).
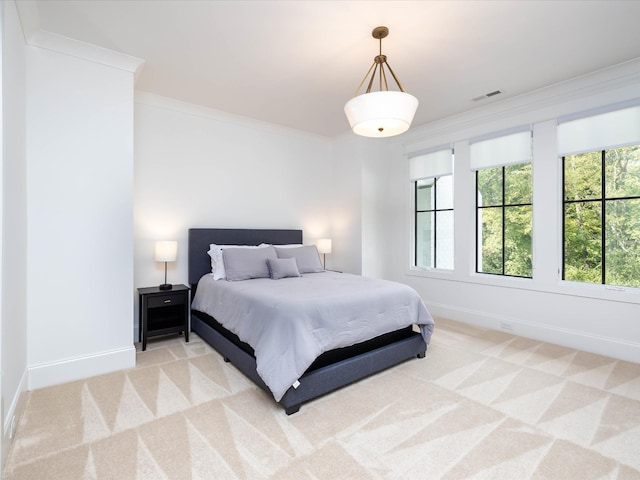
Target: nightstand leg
(143, 321)
(187, 312)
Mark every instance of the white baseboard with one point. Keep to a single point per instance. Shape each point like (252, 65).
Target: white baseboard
(607, 346)
(68, 370)
(10, 413)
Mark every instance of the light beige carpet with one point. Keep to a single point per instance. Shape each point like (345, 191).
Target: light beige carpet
(482, 405)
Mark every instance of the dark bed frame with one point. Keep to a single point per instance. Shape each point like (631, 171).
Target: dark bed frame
(333, 369)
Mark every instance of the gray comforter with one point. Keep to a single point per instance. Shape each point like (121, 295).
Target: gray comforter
(291, 321)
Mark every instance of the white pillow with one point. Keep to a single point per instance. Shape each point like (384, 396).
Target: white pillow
(217, 262)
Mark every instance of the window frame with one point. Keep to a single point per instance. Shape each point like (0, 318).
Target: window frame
(602, 202)
(435, 211)
(503, 208)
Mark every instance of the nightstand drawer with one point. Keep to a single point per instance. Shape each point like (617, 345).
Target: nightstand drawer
(167, 299)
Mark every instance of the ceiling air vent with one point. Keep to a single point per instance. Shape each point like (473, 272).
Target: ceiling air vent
(486, 95)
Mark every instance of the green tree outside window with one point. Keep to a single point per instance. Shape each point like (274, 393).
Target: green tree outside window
(601, 220)
(504, 220)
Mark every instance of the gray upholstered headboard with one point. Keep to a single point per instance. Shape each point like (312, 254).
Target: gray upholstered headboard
(201, 238)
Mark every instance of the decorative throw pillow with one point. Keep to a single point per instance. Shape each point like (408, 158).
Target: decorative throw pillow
(307, 258)
(282, 268)
(217, 262)
(246, 263)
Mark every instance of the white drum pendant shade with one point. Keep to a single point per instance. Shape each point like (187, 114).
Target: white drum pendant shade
(381, 114)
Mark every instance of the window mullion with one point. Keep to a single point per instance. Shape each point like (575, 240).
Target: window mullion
(415, 223)
(564, 217)
(504, 216)
(603, 215)
(435, 223)
(477, 227)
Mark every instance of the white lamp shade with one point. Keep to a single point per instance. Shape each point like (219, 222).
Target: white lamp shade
(324, 245)
(381, 114)
(166, 251)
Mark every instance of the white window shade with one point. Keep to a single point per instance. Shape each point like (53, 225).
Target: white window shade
(500, 151)
(431, 165)
(619, 128)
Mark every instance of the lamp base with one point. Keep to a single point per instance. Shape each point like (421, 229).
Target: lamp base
(165, 286)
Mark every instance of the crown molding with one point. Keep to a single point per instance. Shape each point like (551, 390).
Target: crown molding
(602, 87)
(168, 103)
(85, 51)
(35, 36)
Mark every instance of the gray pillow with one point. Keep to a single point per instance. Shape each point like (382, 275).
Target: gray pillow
(307, 258)
(246, 263)
(282, 268)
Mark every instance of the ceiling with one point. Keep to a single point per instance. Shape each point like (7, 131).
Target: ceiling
(296, 63)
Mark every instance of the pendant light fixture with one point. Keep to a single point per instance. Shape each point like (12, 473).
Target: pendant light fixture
(382, 113)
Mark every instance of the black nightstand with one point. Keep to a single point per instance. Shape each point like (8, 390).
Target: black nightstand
(164, 311)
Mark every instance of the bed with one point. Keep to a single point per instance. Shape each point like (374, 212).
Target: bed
(328, 369)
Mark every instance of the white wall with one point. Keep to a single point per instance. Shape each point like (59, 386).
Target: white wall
(363, 223)
(346, 215)
(13, 299)
(2, 135)
(79, 217)
(378, 220)
(196, 167)
(588, 317)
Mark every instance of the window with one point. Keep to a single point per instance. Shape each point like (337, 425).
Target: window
(434, 222)
(504, 220)
(601, 196)
(504, 213)
(432, 175)
(601, 221)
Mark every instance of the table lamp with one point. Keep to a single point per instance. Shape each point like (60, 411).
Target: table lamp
(166, 251)
(324, 247)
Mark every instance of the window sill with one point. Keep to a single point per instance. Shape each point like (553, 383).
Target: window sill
(558, 287)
